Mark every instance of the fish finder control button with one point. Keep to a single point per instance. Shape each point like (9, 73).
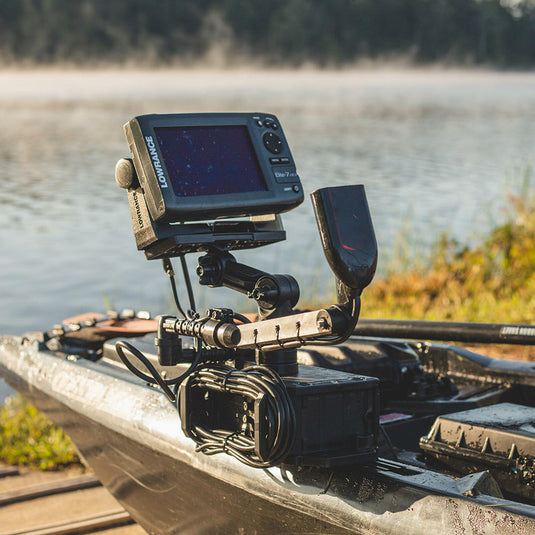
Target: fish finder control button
(272, 142)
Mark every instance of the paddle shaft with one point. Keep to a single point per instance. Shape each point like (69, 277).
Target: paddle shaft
(473, 333)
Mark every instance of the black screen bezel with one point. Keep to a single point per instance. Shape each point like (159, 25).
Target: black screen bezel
(164, 205)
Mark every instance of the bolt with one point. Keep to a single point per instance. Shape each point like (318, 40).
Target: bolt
(257, 294)
(322, 324)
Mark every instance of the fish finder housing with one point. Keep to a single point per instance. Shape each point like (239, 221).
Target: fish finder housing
(207, 167)
(196, 167)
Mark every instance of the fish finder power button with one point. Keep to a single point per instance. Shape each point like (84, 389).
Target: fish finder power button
(272, 142)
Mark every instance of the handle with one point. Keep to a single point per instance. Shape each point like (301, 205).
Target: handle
(347, 236)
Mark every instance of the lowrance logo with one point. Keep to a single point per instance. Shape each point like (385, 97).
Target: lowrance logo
(138, 211)
(156, 161)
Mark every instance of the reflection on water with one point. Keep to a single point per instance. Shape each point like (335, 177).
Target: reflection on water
(438, 145)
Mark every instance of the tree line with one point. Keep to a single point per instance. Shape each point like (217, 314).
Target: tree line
(274, 32)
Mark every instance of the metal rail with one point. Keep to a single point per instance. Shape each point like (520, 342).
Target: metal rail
(6, 471)
(86, 524)
(48, 489)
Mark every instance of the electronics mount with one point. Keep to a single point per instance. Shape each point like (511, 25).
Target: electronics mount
(192, 180)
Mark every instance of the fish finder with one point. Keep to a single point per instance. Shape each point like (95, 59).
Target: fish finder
(207, 167)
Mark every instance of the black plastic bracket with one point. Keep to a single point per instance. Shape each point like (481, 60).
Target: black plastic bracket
(347, 236)
(165, 240)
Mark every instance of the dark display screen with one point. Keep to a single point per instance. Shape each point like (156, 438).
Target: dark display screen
(209, 160)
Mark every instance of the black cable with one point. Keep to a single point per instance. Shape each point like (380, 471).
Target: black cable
(191, 297)
(168, 268)
(355, 311)
(164, 384)
(242, 318)
(255, 383)
(121, 346)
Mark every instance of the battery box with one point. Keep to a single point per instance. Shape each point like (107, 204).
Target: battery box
(337, 417)
(336, 413)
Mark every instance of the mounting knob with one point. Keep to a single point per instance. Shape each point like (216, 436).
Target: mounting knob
(168, 343)
(125, 174)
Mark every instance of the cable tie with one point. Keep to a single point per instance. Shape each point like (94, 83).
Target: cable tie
(256, 344)
(298, 334)
(226, 439)
(227, 375)
(277, 331)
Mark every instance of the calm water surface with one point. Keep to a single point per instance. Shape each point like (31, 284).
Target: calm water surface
(438, 149)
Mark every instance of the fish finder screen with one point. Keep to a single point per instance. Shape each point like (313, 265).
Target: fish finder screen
(215, 160)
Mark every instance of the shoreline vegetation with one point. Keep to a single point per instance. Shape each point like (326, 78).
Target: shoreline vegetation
(29, 438)
(492, 281)
(281, 33)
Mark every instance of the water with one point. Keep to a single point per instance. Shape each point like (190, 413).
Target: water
(440, 148)
(5, 391)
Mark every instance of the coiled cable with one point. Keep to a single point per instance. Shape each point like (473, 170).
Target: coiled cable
(255, 382)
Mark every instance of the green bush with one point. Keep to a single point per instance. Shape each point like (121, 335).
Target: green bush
(28, 437)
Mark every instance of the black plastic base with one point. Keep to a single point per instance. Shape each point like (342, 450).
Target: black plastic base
(337, 416)
(499, 438)
(283, 361)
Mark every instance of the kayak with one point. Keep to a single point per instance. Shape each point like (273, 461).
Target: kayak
(128, 432)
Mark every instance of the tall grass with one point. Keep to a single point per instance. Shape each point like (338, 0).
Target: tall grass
(493, 281)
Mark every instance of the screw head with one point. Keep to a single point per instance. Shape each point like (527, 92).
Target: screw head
(322, 324)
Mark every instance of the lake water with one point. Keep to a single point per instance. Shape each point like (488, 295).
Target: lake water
(438, 149)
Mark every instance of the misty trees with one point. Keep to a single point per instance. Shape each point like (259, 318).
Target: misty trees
(287, 32)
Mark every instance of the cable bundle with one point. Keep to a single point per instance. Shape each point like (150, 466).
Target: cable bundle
(255, 383)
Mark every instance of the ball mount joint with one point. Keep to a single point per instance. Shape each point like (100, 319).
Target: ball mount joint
(275, 295)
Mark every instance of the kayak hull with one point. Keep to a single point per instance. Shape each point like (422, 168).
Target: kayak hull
(130, 435)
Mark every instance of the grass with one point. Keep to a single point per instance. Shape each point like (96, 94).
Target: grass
(492, 281)
(29, 438)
